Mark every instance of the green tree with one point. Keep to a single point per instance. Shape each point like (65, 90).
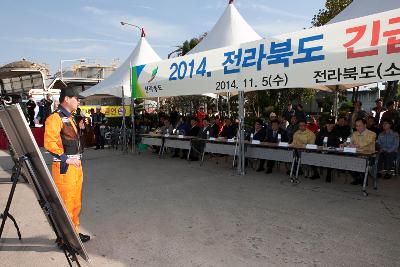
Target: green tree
(331, 10)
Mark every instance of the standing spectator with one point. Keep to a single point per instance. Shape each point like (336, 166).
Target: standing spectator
(378, 111)
(371, 125)
(272, 117)
(392, 115)
(292, 128)
(300, 114)
(30, 109)
(173, 116)
(206, 128)
(288, 112)
(342, 129)
(194, 131)
(333, 141)
(200, 116)
(356, 114)
(388, 144)
(312, 125)
(47, 106)
(98, 120)
(215, 126)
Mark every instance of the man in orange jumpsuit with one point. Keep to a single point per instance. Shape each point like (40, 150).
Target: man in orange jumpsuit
(61, 139)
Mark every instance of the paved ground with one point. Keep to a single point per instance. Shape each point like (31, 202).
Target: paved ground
(143, 211)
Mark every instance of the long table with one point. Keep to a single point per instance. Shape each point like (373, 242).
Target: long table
(363, 162)
(357, 162)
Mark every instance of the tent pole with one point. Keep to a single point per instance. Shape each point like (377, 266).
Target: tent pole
(241, 156)
(133, 149)
(123, 121)
(336, 102)
(229, 104)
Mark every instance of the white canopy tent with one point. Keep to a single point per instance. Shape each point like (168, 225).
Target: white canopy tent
(142, 54)
(230, 29)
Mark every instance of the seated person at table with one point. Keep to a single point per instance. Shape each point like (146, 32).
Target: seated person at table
(182, 128)
(364, 140)
(206, 128)
(292, 128)
(259, 134)
(333, 141)
(229, 130)
(301, 138)
(388, 144)
(193, 131)
(342, 129)
(167, 128)
(272, 137)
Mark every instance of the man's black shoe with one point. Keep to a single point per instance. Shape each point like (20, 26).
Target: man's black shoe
(84, 238)
(259, 169)
(269, 170)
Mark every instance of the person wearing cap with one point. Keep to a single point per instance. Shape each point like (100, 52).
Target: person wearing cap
(333, 140)
(378, 111)
(62, 140)
(388, 144)
(98, 120)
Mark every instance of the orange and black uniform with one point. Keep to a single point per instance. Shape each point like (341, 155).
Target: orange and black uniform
(61, 139)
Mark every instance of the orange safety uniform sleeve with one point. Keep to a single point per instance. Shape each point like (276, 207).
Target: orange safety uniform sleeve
(52, 137)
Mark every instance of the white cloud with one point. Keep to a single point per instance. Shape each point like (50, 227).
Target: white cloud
(94, 10)
(81, 50)
(276, 11)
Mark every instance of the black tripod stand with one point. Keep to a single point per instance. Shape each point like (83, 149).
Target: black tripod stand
(69, 252)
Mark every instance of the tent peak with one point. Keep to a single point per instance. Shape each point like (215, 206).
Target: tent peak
(231, 2)
(143, 33)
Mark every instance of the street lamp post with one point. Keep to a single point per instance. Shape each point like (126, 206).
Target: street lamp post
(132, 99)
(68, 60)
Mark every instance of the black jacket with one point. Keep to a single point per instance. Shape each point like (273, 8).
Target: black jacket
(274, 139)
(229, 132)
(194, 131)
(343, 131)
(333, 138)
(215, 130)
(203, 132)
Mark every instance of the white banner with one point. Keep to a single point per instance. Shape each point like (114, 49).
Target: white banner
(358, 51)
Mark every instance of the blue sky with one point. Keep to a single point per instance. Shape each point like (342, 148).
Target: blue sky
(46, 31)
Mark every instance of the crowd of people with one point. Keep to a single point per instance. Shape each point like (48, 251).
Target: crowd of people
(368, 132)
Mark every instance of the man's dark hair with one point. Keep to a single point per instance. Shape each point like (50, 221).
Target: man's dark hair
(275, 121)
(364, 121)
(259, 121)
(390, 103)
